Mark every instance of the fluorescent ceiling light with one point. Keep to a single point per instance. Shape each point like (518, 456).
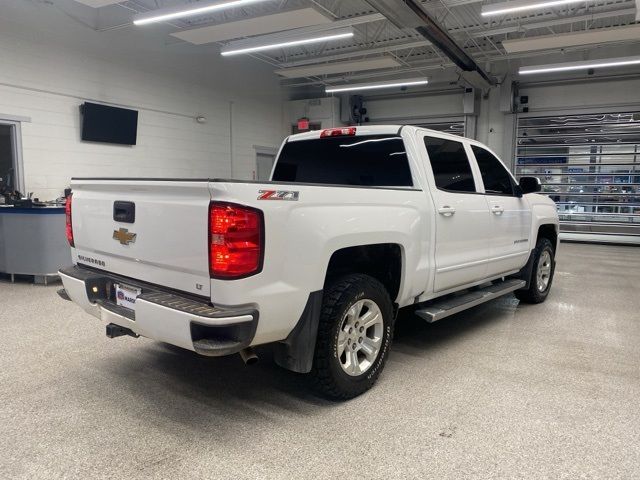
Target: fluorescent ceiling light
(584, 65)
(277, 22)
(522, 6)
(377, 85)
(181, 11)
(283, 41)
(575, 39)
(98, 3)
(338, 67)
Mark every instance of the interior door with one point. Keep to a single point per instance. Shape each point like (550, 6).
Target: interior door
(462, 216)
(264, 164)
(510, 215)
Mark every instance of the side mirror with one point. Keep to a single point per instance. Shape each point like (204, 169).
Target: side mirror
(530, 184)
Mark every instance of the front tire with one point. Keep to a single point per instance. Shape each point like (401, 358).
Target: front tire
(541, 273)
(354, 336)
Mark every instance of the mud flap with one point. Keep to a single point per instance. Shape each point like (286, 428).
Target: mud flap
(295, 353)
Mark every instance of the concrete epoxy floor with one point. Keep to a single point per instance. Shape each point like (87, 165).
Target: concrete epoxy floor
(501, 391)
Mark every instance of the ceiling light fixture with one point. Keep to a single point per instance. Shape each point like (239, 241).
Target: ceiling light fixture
(338, 67)
(283, 41)
(249, 27)
(573, 39)
(377, 85)
(583, 65)
(522, 6)
(181, 11)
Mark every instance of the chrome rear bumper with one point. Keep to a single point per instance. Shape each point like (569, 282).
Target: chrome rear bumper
(167, 316)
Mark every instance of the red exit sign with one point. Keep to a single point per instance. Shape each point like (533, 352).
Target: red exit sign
(303, 124)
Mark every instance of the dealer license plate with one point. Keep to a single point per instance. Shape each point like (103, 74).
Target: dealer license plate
(126, 296)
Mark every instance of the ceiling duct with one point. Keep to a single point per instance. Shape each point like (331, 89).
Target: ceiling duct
(409, 14)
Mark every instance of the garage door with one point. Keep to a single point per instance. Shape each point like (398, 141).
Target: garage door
(589, 165)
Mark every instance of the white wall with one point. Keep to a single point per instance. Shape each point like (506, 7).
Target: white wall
(391, 109)
(46, 76)
(325, 111)
(590, 94)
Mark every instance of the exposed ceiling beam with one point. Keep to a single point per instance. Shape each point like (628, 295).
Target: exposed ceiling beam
(423, 66)
(410, 14)
(475, 31)
(546, 23)
(358, 53)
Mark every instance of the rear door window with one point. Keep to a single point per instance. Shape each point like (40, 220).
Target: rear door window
(450, 165)
(372, 160)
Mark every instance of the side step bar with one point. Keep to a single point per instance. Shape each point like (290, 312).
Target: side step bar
(449, 305)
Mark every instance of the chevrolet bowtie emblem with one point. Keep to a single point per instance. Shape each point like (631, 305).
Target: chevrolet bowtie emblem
(124, 236)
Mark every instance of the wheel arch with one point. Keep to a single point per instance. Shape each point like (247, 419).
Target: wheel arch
(382, 261)
(549, 231)
(545, 230)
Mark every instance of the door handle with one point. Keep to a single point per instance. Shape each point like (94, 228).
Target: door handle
(446, 210)
(497, 209)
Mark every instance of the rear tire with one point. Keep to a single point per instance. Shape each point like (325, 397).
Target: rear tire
(354, 336)
(541, 274)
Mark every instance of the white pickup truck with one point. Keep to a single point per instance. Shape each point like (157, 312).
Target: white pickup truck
(356, 223)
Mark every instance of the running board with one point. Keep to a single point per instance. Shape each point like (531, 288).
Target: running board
(450, 305)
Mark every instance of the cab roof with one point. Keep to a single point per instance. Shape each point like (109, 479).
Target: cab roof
(369, 130)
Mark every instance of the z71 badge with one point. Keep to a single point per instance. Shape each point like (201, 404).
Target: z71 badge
(278, 195)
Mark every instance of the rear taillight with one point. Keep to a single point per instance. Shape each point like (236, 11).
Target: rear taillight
(236, 240)
(69, 225)
(338, 132)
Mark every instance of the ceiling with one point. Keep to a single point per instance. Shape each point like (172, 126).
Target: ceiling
(491, 41)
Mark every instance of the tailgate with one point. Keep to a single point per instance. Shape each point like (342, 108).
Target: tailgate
(163, 242)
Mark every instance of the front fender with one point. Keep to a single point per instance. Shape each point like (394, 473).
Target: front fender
(543, 212)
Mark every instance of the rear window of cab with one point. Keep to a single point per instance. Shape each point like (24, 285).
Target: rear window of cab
(372, 160)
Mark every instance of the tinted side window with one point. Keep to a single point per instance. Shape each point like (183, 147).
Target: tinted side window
(495, 177)
(371, 160)
(450, 165)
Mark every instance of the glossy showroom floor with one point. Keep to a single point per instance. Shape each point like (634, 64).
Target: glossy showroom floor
(501, 391)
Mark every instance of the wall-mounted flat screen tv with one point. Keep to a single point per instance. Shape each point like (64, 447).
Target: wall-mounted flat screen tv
(102, 123)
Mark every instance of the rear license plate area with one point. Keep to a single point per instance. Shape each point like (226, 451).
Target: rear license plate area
(126, 295)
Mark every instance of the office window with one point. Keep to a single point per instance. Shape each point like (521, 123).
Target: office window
(450, 165)
(9, 158)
